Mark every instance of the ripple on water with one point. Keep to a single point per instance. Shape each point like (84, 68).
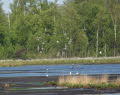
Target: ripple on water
(58, 70)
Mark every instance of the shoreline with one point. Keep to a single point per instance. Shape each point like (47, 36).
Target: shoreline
(58, 61)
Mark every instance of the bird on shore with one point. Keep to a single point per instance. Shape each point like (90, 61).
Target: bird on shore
(47, 75)
(77, 73)
(70, 73)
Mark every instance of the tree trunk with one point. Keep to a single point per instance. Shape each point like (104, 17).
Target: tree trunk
(97, 42)
(115, 32)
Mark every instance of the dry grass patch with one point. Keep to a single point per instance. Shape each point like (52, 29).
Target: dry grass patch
(14, 63)
(83, 80)
(117, 81)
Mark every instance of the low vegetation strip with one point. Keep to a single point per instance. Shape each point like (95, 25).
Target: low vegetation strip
(102, 60)
(89, 82)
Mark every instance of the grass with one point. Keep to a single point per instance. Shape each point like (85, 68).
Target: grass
(89, 82)
(50, 83)
(14, 63)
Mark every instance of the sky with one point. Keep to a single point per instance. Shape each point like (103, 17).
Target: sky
(6, 4)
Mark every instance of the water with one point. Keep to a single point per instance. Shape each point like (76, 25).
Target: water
(54, 70)
(58, 70)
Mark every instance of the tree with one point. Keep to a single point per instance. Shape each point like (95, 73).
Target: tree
(114, 10)
(77, 28)
(3, 32)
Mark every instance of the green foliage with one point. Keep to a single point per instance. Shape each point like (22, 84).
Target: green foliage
(77, 28)
(51, 83)
(2, 52)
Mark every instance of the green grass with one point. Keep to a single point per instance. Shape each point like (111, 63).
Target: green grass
(94, 86)
(14, 63)
(99, 86)
(50, 83)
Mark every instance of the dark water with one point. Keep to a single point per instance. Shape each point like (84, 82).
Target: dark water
(57, 70)
(49, 92)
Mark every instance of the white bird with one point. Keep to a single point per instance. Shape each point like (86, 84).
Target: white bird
(70, 73)
(77, 73)
(47, 72)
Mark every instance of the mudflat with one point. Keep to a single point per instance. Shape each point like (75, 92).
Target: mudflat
(34, 86)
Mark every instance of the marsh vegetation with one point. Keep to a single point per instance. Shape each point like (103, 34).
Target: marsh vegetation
(84, 81)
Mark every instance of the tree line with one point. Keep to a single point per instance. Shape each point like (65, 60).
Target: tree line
(76, 28)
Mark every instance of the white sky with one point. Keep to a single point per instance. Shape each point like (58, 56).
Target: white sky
(7, 3)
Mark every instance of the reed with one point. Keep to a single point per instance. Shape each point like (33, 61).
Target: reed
(117, 81)
(88, 82)
(82, 80)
